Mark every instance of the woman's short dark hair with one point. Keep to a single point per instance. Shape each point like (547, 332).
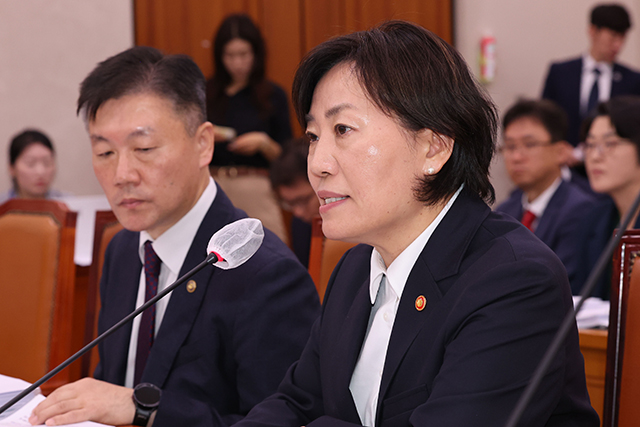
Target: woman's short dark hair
(548, 113)
(146, 70)
(415, 77)
(623, 111)
(24, 139)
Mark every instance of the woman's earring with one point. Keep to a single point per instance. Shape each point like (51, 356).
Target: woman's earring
(430, 171)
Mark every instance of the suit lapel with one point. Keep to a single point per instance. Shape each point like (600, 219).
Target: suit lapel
(122, 299)
(179, 317)
(441, 258)
(409, 319)
(617, 81)
(184, 306)
(573, 87)
(345, 350)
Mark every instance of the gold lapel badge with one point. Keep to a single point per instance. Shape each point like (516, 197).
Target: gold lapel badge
(191, 286)
(421, 303)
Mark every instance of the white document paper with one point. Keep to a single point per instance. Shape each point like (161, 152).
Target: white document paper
(18, 415)
(594, 313)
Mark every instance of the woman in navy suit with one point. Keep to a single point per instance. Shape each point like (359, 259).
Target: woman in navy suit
(441, 315)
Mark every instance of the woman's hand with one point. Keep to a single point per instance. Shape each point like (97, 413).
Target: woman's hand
(251, 143)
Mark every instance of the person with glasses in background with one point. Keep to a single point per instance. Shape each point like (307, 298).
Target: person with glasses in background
(612, 160)
(289, 180)
(534, 151)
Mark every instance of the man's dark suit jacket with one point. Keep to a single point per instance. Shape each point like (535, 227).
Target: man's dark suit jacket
(495, 295)
(558, 226)
(563, 86)
(224, 347)
(595, 230)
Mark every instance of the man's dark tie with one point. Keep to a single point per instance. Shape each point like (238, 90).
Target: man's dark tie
(594, 94)
(527, 219)
(147, 325)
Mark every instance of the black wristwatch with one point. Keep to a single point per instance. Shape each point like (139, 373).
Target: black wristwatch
(146, 397)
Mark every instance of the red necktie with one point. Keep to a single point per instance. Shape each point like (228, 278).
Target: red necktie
(527, 219)
(152, 266)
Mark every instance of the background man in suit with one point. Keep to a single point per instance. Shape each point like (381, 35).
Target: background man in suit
(579, 84)
(534, 151)
(221, 343)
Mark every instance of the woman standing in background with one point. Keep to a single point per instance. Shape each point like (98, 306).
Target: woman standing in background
(251, 115)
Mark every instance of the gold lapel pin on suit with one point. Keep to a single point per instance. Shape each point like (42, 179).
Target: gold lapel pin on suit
(421, 303)
(191, 286)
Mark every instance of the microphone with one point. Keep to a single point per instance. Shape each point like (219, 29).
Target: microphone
(239, 240)
(228, 248)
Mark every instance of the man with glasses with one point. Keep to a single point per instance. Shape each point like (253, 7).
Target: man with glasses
(612, 159)
(290, 182)
(534, 151)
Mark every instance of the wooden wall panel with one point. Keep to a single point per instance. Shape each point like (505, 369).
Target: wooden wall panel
(281, 27)
(186, 26)
(290, 27)
(323, 20)
(333, 17)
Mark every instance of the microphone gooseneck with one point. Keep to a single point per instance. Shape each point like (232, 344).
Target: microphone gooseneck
(229, 247)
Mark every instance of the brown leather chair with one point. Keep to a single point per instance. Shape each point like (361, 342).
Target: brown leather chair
(106, 227)
(324, 254)
(37, 288)
(622, 380)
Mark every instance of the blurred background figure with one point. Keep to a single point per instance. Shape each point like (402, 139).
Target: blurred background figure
(534, 150)
(290, 182)
(32, 167)
(578, 85)
(251, 116)
(612, 160)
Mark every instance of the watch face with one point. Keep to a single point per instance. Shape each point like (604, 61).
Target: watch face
(147, 395)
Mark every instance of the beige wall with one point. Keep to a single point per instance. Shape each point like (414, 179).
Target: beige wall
(46, 48)
(529, 34)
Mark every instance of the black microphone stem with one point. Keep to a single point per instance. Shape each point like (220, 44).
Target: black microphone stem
(569, 319)
(211, 259)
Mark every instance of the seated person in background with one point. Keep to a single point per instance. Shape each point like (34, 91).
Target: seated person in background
(217, 345)
(441, 315)
(534, 151)
(612, 160)
(32, 165)
(290, 182)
